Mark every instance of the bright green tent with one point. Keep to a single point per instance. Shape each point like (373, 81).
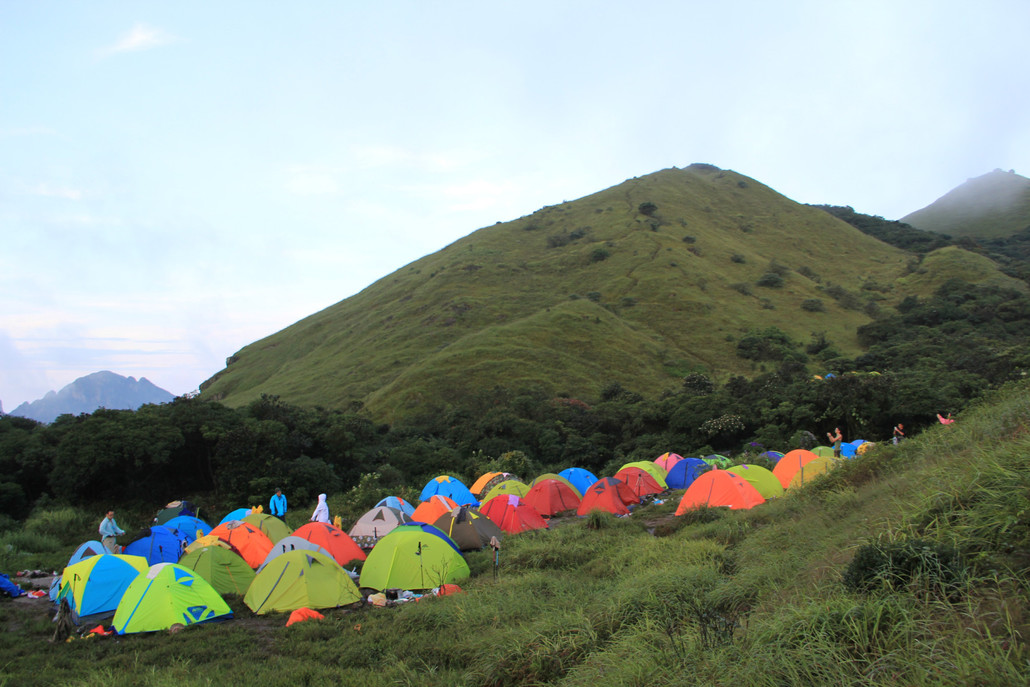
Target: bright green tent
(762, 479)
(299, 579)
(510, 486)
(166, 595)
(225, 570)
(413, 556)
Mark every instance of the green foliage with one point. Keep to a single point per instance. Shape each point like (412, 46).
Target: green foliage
(770, 280)
(894, 565)
(647, 208)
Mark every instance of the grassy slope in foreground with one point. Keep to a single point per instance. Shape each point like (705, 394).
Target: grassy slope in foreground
(670, 290)
(720, 598)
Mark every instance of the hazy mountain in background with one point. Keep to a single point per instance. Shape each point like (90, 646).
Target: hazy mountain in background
(639, 285)
(98, 390)
(994, 205)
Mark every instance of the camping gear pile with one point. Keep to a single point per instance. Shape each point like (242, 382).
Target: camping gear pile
(174, 573)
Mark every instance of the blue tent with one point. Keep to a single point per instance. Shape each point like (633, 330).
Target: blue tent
(95, 585)
(398, 503)
(185, 527)
(237, 514)
(773, 456)
(581, 478)
(90, 548)
(848, 450)
(158, 546)
(684, 472)
(451, 487)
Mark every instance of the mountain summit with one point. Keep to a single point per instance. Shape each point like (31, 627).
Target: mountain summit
(638, 285)
(994, 205)
(98, 390)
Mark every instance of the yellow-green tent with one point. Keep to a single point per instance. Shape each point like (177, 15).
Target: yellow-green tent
(224, 570)
(298, 579)
(166, 595)
(762, 479)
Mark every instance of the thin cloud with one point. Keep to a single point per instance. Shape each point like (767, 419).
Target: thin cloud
(48, 191)
(140, 37)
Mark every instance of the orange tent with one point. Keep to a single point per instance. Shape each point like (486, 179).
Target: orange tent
(640, 482)
(250, 542)
(790, 463)
(509, 513)
(302, 614)
(429, 511)
(334, 540)
(550, 496)
(720, 488)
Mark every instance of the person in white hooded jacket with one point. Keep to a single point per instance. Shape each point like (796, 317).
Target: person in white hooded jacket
(321, 513)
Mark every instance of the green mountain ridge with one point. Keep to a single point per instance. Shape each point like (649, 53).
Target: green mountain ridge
(996, 204)
(639, 284)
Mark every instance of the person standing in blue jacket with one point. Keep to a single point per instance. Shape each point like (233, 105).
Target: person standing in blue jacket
(277, 504)
(109, 533)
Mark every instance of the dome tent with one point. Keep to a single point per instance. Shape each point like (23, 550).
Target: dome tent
(300, 579)
(166, 595)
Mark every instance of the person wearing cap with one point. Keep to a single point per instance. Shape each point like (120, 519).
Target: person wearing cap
(277, 504)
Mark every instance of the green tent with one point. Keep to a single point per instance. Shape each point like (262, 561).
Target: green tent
(224, 569)
(166, 595)
(413, 556)
(298, 579)
(767, 484)
(275, 528)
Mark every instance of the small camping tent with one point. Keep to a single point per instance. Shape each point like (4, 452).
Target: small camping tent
(249, 541)
(272, 526)
(667, 460)
(511, 515)
(186, 527)
(581, 478)
(167, 595)
(377, 523)
(468, 528)
(224, 570)
(791, 462)
(511, 487)
(95, 585)
(334, 540)
(760, 478)
(413, 556)
(292, 543)
(300, 579)
(550, 497)
(398, 503)
(157, 544)
(685, 471)
(448, 486)
(428, 511)
(719, 488)
(640, 482)
(608, 494)
(174, 509)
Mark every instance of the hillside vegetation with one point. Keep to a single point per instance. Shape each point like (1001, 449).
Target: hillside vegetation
(640, 285)
(904, 566)
(994, 205)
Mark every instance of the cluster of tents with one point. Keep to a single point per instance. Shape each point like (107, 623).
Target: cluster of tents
(177, 571)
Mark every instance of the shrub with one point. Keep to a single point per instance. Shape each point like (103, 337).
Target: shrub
(894, 565)
(647, 208)
(742, 288)
(594, 296)
(813, 305)
(738, 258)
(689, 239)
(600, 254)
(770, 280)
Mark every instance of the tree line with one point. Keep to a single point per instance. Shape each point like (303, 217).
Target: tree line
(932, 356)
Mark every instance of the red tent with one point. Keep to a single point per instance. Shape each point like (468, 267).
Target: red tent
(640, 481)
(548, 497)
(720, 488)
(332, 539)
(607, 494)
(508, 512)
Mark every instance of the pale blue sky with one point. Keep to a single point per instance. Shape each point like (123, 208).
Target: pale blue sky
(180, 179)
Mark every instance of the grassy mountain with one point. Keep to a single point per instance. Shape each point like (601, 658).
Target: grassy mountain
(994, 205)
(639, 284)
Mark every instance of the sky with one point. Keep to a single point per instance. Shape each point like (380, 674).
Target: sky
(181, 179)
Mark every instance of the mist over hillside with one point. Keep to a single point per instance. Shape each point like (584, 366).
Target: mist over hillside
(996, 204)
